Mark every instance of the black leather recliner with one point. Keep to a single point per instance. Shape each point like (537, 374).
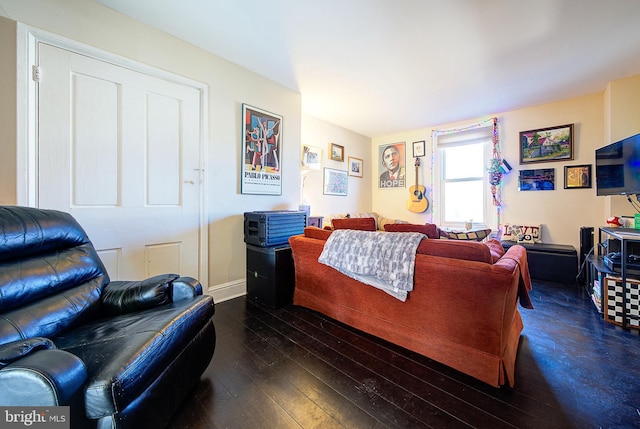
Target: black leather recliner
(120, 354)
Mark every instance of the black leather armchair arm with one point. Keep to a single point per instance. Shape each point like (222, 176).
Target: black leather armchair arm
(15, 350)
(186, 287)
(126, 296)
(44, 377)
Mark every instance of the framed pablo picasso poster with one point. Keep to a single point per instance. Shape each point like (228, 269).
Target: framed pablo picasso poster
(261, 152)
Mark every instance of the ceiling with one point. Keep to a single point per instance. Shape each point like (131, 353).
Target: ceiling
(383, 66)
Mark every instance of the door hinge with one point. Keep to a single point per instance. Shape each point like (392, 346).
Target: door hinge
(35, 73)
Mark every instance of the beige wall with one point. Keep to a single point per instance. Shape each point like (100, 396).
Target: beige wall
(622, 119)
(229, 86)
(7, 112)
(599, 119)
(319, 133)
(391, 203)
(561, 212)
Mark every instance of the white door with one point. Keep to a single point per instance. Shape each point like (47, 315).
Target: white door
(119, 150)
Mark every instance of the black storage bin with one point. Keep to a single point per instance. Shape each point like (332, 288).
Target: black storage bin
(552, 262)
(272, 228)
(270, 275)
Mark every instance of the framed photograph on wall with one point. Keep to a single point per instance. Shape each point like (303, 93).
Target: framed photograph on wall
(355, 167)
(418, 149)
(336, 152)
(542, 179)
(577, 176)
(335, 182)
(261, 151)
(311, 157)
(547, 144)
(391, 165)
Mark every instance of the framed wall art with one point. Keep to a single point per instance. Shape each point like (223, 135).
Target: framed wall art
(541, 179)
(335, 182)
(547, 144)
(577, 176)
(336, 152)
(261, 151)
(355, 167)
(418, 149)
(391, 165)
(311, 157)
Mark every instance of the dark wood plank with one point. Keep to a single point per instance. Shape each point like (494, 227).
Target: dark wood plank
(295, 368)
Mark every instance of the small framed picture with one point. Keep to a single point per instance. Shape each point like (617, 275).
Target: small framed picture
(418, 149)
(355, 167)
(577, 176)
(541, 179)
(311, 157)
(336, 152)
(335, 182)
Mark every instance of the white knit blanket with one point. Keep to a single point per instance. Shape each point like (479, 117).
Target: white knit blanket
(385, 260)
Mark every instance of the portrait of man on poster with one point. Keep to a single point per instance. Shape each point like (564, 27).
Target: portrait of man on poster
(392, 169)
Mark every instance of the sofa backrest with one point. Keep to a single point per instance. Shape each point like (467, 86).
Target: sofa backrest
(456, 249)
(51, 277)
(488, 252)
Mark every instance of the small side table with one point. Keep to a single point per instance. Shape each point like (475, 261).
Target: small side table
(315, 221)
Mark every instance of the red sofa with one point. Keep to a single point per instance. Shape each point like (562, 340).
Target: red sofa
(462, 311)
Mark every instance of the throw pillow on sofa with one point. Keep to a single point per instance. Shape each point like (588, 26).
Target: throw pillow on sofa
(362, 223)
(521, 233)
(383, 221)
(327, 221)
(470, 235)
(428, 229)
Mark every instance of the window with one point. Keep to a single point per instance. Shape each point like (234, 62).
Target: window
(461, 185)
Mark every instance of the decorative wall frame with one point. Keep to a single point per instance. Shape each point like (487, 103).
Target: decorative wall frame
(577, 176)
(547, 144)
(391, 165)
(335, 182)
(261, 151)
(356, 165)
(336, 152)
(311, 157)
(542, 179)
(418, 149)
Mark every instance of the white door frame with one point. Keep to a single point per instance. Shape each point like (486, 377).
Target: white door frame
(28, 39)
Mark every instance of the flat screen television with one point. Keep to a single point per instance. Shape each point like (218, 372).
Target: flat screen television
(618, 167)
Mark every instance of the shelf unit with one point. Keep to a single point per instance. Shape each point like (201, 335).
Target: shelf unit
(596, 272)
(603, 281)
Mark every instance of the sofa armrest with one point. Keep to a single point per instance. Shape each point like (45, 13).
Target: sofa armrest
(518, 255)
(15, 350)
(186, 287)
(42, 378)
(126, 296)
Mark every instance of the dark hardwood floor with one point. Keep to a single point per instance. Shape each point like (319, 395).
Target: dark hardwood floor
(294, 368)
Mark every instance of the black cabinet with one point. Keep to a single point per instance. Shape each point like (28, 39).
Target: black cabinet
(551, 262)
(270, 275)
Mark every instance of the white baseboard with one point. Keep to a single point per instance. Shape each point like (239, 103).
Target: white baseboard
(229, 290)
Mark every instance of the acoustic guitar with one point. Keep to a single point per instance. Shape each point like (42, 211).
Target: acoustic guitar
(417, 202)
